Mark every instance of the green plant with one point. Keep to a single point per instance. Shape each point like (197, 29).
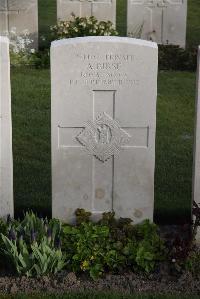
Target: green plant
(82, 216)
(18, 254)
(173, 57)
(40, 59)
(86, 243)
(4, 225)
(111, 245)
(33, 245)
(46, 258)
(82, 26)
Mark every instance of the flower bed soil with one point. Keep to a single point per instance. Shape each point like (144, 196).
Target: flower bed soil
(126, 283)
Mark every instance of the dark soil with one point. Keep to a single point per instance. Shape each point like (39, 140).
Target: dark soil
(126, 283)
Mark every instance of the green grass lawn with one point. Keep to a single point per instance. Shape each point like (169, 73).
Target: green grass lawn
(47, 17)
(193, 23)
(98, 296)
(174, 145)
(31, 142)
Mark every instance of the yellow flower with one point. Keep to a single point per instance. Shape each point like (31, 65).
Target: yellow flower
(84, 265)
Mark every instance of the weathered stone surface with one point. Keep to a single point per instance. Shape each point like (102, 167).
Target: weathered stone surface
(20, 16)
(196, 165)
(162, 21)
(103, 10)
(6, 163)
(103, 126)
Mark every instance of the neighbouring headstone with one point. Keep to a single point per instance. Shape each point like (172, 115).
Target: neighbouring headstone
(162, 21)
(6, 163)
(196, 164)
(20, 18)
(103, 126)
(103, 10)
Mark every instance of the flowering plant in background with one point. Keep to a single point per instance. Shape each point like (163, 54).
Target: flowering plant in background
(83, 26)
(21, 52)
(20, 43)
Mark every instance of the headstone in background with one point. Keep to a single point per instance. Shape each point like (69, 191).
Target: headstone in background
(20, 16)
(103, 126)
(103, 10)
(196, 166)
(162, 21)
(6, 163)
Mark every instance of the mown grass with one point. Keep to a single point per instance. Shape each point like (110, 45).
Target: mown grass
(121, 17)
(193, 23)
(99, 296)
(31, 143)
(31, 139)
(47, 17)
(174, 146)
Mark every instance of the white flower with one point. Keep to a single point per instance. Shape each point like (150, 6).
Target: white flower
(13, 30)
(173, 260)
(25, 32)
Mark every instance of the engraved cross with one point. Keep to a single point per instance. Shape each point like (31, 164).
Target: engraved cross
(103, 139)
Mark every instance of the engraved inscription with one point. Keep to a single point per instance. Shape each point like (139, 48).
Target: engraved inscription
(159, 3)
(103, 137)
(16, 5)
(108, 70)
(92, 1)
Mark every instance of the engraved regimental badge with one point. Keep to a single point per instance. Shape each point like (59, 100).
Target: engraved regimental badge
(103, 137)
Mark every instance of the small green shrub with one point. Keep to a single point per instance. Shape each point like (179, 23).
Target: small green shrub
(40, 59)
(175, 58)
(33, 245)
(82, 26)
(82, 216)
(111, 245)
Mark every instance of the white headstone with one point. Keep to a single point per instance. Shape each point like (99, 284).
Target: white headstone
(103, 10)
(6, 163)
(103, 126)
(162, 21)
(196, 164)
(20, 16)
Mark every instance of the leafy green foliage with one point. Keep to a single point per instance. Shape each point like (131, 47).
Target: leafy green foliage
(46, 258)
(111, 245)
(175, 58)
(82, 216)
(82, 26)
(33, 245)
(3, 226)
(40, 59)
